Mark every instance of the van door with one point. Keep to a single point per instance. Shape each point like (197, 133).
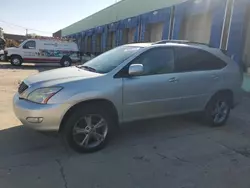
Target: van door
(29, 51)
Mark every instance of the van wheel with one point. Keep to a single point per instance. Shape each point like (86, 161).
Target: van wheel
(66, 62)
(218, 110)
(88, 129)
(16, 60)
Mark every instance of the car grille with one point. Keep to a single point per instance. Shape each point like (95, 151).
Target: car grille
(22, 87)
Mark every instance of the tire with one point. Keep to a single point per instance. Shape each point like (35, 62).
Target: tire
(66, 62)
(218, 110)
(2, 57)
(16, 60)
(76, 129)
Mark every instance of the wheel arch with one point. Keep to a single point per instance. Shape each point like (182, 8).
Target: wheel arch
(226, 92)
(66, 57)
(104, 102)
(12, 55)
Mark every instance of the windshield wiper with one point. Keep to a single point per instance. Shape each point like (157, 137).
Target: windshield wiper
(88, 68)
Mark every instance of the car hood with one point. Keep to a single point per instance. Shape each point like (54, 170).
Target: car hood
(60, 75)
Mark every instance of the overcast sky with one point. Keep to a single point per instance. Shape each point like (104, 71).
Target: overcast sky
(44, 17)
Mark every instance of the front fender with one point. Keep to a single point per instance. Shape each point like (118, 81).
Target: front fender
(115, 99)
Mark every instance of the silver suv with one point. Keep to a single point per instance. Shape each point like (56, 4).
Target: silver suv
(131, 82)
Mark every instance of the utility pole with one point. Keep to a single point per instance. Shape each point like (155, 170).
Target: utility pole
(26, 32)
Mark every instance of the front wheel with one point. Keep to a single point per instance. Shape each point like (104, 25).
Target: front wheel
(88, 129)
(16, 60)
(218, 110)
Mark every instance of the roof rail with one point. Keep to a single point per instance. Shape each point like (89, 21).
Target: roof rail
(180, 42)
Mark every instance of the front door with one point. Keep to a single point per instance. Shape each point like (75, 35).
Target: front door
(153, 93)
(30, 52)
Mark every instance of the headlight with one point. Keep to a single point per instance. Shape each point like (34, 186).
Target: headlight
(42, 95)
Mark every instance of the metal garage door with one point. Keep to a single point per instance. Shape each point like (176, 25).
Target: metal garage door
(246, 54)
(196, 28)
(125, 36)
(156, 32)
(131, 34)
(113, 39)
(98, 43)
(109, 41)
(89, 48)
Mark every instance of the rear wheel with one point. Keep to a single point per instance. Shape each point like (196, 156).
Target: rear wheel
(16, 60)
(218, 110)
(87, 129)
(66, 62)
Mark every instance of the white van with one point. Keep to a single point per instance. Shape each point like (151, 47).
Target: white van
(44, 51)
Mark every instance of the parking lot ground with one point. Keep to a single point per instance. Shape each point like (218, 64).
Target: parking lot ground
(174, 152)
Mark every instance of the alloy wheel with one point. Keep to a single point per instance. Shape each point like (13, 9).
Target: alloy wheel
(90, 131)
(220, 111)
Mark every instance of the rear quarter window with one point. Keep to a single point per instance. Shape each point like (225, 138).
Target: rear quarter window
(192, 59)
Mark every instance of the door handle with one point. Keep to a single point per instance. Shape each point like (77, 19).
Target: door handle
(214, 76)
(173, 80)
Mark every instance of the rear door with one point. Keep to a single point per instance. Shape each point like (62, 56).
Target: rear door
(199, 76)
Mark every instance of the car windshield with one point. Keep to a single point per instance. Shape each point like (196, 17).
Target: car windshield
(109, 60)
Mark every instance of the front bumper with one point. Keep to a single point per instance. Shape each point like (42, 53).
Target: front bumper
(48, 116)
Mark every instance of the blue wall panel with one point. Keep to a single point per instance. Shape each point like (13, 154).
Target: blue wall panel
(120, 42)
(166, 26)
(218, 11)
(83, 41)
(157, 16)
(86, 43)
(236, 36)
(93, 43)
(128, 23)
(142, 31)
(104, 38)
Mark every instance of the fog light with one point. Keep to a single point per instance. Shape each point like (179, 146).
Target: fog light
(34, 119)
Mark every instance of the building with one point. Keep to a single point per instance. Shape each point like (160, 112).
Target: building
(221, 23)
(18, 38)
(58, 34)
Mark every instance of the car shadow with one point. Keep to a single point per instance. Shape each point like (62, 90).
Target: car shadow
(22, 146)
(159, 128)
(30, 66)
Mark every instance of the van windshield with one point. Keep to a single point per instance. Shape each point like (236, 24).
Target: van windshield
(109, 60)
(20, 45)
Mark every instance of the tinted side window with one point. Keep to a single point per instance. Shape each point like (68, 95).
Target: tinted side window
(191, 59)
(30, 45)
(156, 61)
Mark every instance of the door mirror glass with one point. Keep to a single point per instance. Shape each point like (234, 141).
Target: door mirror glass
(135, 69)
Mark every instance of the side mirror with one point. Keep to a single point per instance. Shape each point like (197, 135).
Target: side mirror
(135, 70)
